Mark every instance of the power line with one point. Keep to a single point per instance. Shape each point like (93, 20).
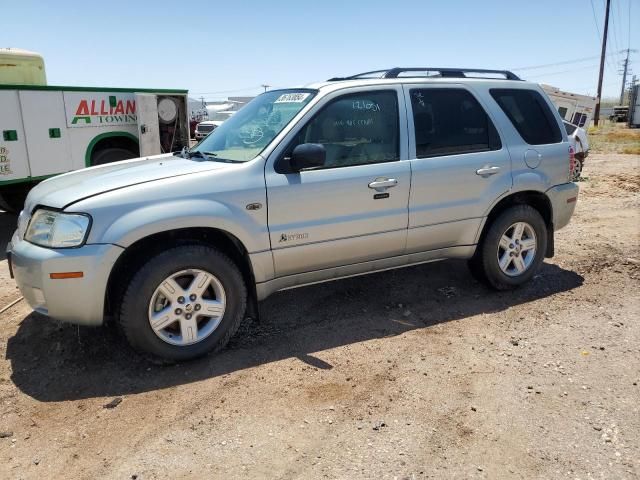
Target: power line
(595, 21)
(563, 71)
(566, 62)
(229, 91)
(629, 26)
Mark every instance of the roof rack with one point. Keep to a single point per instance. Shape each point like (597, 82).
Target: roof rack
(438, 72)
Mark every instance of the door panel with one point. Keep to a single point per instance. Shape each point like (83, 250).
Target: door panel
(450, 192)
(47, 136)
(325, 218)
(148, 124)
(329, 217)
(13, 151)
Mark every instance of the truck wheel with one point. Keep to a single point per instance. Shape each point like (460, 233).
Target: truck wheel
(183, 303)
(12, 197)
(109, 155)
(513, 248)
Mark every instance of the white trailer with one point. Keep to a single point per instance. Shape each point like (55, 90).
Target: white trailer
(48, 130)
(572, 107)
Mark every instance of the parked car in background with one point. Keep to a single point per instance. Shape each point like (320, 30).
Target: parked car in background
(345, 177)
(204, 128)
(215, 120)
(620, 114)
(580, 142)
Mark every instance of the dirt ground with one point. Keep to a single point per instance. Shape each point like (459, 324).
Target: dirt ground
(416, 373)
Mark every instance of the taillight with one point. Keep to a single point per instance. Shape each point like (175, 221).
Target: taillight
(572, 162)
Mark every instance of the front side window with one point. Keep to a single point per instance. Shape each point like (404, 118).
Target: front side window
(246, 133)
(530, 114)
(450, 121)
(356, 129)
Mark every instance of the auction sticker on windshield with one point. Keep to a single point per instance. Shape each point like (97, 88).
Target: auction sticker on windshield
(292, 98)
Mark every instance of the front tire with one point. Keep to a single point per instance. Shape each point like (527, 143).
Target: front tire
(513, 248)
(183, 303)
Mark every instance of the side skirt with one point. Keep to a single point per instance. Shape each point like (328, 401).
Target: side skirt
(264, 289)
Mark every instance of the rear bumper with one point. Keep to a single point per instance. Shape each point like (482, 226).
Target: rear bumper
(563, 202)
(73, 300)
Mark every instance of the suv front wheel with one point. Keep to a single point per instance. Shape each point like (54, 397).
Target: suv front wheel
(512, 249)
(183, 303)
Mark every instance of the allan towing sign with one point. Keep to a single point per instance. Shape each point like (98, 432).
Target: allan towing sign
(96, 109)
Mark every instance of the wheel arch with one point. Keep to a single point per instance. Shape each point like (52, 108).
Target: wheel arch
(536, 199)
(105, 140)
(136, 254)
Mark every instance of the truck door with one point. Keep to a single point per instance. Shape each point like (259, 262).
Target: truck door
(47, 137)
(459, 165)
(14, 164)
(148, 125)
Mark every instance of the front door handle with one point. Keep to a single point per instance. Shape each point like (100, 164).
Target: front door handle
(383, 183)
(487, 171)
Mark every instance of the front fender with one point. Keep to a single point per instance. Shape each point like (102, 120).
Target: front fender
(248, 227)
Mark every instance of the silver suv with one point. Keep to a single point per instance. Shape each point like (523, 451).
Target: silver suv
(350, 176)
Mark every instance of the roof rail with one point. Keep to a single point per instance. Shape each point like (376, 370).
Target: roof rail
(438, 72)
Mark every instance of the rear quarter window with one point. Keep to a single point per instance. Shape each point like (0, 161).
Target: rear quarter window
(529, 114)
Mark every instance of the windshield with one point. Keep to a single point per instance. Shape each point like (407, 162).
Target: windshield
(246, 133)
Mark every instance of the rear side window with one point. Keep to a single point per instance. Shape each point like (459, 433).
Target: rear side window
(530, 114)
(450, 121)
(569, 128)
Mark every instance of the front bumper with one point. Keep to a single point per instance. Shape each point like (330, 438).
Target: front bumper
(563, 202)
(73, 300)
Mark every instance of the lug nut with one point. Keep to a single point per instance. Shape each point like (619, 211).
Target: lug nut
(511, 245)
(180, 299)
(188, 316)
(178, 311)
(192, 297)
(196, 307)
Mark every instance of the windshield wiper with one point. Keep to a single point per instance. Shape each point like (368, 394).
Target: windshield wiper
(184, 153)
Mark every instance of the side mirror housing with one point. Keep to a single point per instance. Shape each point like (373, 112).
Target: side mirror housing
(308, 155)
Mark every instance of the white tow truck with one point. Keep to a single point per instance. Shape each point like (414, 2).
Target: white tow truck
(47, 130)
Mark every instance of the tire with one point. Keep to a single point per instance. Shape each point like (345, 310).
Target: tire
(577, 169)
(109, 155)
(169, 344)
(525, 262)
(12, 197)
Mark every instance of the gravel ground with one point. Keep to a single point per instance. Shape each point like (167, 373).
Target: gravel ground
(415, 373)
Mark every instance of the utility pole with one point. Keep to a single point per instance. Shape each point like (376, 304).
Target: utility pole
(624, 75)
(596, 115)
(204, 105)
(265, 86)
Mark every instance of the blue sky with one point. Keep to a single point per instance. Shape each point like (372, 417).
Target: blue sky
(216, 48)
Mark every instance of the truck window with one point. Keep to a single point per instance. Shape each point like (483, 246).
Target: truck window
(529, 114)
(356, 129)
(450, 121)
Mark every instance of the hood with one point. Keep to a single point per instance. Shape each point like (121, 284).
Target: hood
(62, 190)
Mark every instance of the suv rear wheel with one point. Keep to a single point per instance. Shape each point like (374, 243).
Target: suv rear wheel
(183, 303)
(512, 249)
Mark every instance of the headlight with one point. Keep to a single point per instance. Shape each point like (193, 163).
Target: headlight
(56, 229)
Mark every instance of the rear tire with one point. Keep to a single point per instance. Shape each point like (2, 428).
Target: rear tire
(110, 155)
(164, 338)
(512, 249)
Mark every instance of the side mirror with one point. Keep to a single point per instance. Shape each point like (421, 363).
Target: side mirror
(308, 155)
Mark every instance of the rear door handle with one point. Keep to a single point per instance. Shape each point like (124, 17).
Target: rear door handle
(487, 171)
(383, 183)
